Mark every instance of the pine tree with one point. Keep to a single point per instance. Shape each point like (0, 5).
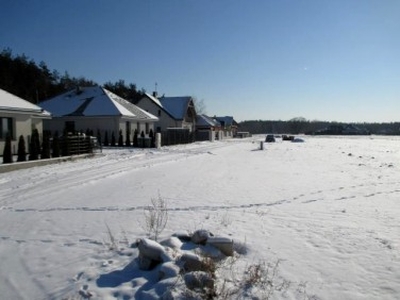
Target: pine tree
(7, 154)
(21, 149)
(99, 139)
(106, 142)
(135, 138)
(142, 137)
(56, 145)
(113, 139)
(120, 139)
(34, 148)
(45, 146)
(128, 139)
(65, 144)
(152, 139)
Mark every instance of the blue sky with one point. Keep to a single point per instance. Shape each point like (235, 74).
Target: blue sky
(259, 59)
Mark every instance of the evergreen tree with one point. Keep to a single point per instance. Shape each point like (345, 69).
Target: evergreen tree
(56, 145)
(106, 142)
(120, 139)
(21, 149)
(45, 146)
(113, 139)
(152, 139)
(65, 144)
(7, 154)
(99, 140)
(128, 139)
(34, 148)
(142, 138)
(135, 138)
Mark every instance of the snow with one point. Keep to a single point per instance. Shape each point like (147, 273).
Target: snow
(10, 102)
(324, 211)
(93, 101)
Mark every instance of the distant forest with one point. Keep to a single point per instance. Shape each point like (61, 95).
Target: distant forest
(34, 82)
(303, 126)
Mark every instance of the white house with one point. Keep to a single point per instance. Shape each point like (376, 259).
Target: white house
(97, 109)
(173, 112)
(19, 117)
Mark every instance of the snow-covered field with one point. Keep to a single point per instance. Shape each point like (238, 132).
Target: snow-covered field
(327, 210)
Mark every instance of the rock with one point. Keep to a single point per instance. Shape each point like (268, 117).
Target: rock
(173, 242)
(225, 245)
(184, 236)
(168, 270)
(200, 236)
(151, 253)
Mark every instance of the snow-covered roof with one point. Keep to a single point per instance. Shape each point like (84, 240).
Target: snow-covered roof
(226, 121)
(12, 103)
(203, 120)
(176, 106)
(94, 101)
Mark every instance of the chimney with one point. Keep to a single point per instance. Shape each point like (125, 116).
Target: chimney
(155, 94)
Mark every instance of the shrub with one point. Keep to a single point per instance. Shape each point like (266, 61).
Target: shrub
(34, 147)
(106, 142)
(56, 145)
(156, 217)
(45, 146)
(135, 138)
(112, 139)
(7, 154)
(120, 139)
(21, 149)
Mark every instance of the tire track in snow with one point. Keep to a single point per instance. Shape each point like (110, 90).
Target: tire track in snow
(46, 180)
(196, 208)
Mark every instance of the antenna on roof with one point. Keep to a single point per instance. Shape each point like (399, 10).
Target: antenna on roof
(155, 91)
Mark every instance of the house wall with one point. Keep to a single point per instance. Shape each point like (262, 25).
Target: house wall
(101, 124)
(164, 120)
(23, 124)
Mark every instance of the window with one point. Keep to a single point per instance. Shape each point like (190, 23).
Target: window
(147, 128)
(128, 127)
(159, 112)
(6, 126)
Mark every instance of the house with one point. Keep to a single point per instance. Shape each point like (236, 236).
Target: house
(19, 117)
(228, 125)
(172, 112)
(205, 126)
(98, 110)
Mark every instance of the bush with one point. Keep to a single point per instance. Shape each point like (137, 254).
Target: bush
(7, 154)
(21, 149)
(56, 145)
(156, 217)
(34, 147)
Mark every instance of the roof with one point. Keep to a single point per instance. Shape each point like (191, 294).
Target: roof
(12, 103)
(176, 106)
(94, 101)
(226, 121)
(203, 120)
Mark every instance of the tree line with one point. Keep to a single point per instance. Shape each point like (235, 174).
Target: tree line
(301, 125)
(35, 82)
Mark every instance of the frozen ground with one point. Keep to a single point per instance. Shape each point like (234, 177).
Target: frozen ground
(327, 210)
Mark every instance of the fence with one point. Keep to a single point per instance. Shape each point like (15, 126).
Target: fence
(177, 136)
(78, 144)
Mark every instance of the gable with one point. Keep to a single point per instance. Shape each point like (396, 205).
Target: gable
(92, 102)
